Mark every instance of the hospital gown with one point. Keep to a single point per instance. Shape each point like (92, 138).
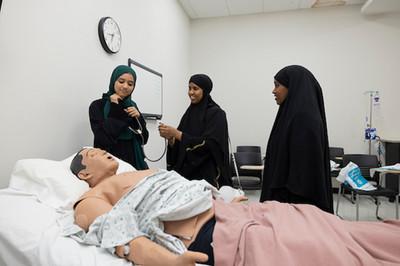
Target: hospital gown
(162, 196)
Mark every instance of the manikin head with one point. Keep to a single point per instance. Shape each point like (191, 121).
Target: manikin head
(93, 165)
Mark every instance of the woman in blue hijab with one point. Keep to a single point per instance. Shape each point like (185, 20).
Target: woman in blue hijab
(117, 125)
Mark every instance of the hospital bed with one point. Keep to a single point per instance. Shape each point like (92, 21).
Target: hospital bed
(41, 192)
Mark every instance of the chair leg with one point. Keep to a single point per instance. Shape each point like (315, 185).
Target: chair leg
(357, 205)
(339, 195)
(377, 202)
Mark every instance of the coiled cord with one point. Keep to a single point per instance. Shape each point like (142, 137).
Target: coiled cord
(139, 132)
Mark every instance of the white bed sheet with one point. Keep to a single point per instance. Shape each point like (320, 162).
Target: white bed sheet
(40, 192)
(30, 235)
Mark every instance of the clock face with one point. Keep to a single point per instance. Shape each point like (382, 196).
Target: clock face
(110, 35)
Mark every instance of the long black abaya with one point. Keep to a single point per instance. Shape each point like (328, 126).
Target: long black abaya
(297, 167)
(203, 151)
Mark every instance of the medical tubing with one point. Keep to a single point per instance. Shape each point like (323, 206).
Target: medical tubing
(162, 155)
(140, 133)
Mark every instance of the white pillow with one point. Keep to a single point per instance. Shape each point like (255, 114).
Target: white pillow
(52, 181)
(49, 180)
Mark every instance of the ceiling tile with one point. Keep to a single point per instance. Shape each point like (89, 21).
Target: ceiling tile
(355, 2)
(187, 6)
(218, 8)
(240, 7)
(282, 5)
(372, 7)
(210, 8)
(306, 3)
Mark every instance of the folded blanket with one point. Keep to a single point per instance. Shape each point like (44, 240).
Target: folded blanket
(273, 233)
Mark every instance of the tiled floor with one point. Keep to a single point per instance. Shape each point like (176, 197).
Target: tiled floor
(347, 210)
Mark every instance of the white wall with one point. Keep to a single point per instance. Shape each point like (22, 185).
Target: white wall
(347, 52)
(52, 66)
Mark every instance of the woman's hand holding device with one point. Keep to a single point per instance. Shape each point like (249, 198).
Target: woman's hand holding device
(115, 98)
(132, 112)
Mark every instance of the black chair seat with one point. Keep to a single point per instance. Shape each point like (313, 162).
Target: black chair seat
(336, 155)
(249, 179)
(248, 182)
(379, 191)
(246, 148)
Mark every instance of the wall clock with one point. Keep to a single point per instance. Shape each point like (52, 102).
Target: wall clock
(110, 35)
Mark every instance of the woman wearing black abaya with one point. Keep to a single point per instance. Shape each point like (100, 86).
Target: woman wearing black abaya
(115, 115)
(297, 167)
(198, 148)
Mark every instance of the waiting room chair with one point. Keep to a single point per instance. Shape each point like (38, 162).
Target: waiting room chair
(336, 155)
(246, 148)
(249, 179)
(365, 162)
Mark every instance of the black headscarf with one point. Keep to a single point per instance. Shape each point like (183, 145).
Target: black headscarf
(193, 121)
(197, 127)
(297, 156)
(203, 81)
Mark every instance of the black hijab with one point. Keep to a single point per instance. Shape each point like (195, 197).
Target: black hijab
(304, 94)
(194, 123)
(306, 174)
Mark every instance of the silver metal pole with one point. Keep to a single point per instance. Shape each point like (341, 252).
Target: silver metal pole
(370, 118)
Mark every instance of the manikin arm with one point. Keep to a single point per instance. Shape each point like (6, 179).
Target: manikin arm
(145, 252)
(88, 210)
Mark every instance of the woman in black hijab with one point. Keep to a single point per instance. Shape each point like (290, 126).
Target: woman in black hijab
(297, 167)
(198, 148)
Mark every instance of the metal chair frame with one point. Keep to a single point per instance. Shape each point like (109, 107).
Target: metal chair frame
(247, 179)
(366, 162)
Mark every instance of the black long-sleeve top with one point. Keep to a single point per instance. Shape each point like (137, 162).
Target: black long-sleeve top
(107, 130)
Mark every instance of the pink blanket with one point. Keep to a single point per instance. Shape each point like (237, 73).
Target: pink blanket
(273, 233)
